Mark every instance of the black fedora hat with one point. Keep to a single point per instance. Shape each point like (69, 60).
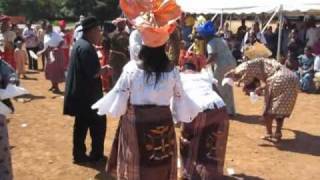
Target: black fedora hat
(89, 23)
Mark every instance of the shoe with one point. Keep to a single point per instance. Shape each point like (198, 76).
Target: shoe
(56, 91)
(81, 160)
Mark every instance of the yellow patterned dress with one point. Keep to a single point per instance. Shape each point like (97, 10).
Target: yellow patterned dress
(282, 84)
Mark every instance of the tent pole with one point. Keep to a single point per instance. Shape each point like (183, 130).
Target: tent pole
(214, 17)
(272, 17)
(280, 32)
(221, 20)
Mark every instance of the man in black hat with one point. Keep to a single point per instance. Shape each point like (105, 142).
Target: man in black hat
(83, 89)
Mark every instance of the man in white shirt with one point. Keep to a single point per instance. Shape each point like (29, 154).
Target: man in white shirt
(203, 141)
(32, 44)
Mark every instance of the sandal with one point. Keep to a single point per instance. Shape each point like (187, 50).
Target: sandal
(267, 137)
(278, 136)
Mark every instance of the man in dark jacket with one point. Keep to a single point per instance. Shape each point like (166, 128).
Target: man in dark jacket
(84, 88)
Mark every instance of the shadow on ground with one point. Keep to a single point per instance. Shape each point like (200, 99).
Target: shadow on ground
(303, 143)
(250, 119)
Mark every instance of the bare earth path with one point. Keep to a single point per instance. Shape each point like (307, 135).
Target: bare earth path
(41, 140)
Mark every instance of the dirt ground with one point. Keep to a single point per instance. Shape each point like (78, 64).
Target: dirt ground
(41, 140)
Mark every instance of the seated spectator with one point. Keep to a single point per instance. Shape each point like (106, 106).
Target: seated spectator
(306, 69)
(317, 73)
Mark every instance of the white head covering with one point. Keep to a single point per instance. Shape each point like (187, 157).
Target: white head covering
(135, 44)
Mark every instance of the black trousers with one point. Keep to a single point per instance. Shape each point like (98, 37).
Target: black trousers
(97, 126)
(33, 63)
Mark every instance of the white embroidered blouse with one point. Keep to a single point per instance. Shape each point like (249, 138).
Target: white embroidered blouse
(132, 86)
(199, 87)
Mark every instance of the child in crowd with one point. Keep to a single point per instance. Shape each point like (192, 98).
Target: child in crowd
(20, 57)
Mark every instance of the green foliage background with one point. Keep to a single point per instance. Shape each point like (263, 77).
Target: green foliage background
(57, 9)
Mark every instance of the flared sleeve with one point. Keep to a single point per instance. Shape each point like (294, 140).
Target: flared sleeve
(114, 103)
(182, 107)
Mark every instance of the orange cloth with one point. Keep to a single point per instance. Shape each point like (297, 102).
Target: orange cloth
(153, 18)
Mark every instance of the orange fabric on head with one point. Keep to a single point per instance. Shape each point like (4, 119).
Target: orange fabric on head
(154, 37)
(166, 12)
(153, 18)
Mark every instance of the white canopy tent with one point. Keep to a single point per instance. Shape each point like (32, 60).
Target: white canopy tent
(289, 7)
(248, 6)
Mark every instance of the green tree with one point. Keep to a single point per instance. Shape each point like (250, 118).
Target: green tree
(57, 9)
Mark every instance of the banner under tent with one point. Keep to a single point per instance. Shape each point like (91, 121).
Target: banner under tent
(280, 7)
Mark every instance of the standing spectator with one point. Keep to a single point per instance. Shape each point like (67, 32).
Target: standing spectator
(54, 69)
(306, 69)
(302, 30)
(119, 52)
(221, 59)
(31, 41)
(8, 37)
(313, 33)
(285, 37)
(253, 35)
(292, 61)
(67, 36)
(186, 29)
(316, 47)
(295, 44)
(242, 30)
(40, 34)
(271, 40)
(227, 34)
(173, 46)
(83, 89)
(20, 57)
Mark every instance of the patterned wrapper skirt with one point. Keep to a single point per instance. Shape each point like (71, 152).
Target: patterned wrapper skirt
(5, 157)
(281, 94)
(203, 145)
(144, 147)
(54, 68)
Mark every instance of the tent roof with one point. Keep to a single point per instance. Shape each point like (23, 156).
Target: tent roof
(249, 6)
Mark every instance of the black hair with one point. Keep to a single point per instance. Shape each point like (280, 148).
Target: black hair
(154, 60)
(189, 66)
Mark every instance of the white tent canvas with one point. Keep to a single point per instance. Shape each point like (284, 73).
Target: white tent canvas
(248, 6)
